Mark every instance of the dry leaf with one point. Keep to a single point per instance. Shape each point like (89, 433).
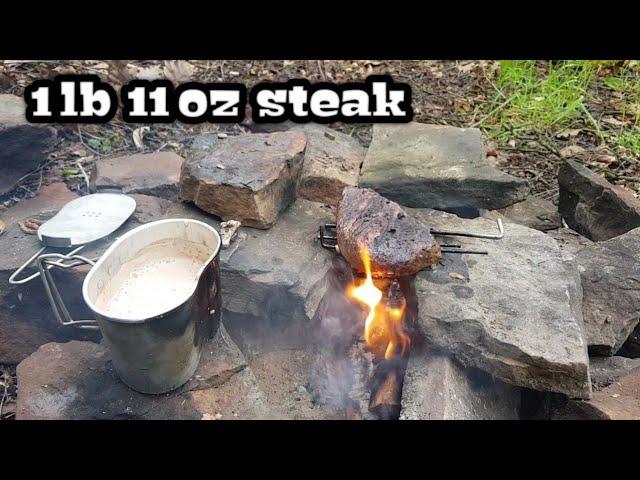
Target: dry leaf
(467, 67)
(456, 276)
(149, 73)
(120, 72)
(607, 159)
(178, 71)
(614, 122)
(30, 226)
(138, 136)
(2, 227)
(571, 150)
(569, 133)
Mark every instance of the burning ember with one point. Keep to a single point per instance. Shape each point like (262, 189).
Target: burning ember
(384, 327)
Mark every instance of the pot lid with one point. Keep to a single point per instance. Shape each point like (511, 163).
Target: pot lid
(86, 219)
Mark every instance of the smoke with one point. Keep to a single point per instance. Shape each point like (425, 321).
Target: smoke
(339, 377)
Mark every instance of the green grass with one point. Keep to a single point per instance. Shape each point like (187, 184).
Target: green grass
(544, 98)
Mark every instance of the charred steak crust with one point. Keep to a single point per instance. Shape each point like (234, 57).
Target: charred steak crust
(397, 243)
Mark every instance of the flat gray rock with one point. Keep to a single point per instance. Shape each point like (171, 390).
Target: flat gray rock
(23, 145)
(250, 178)
(594, 207)
(533, 213)
(618, 401)
(610, 274)
(156, 174)
(26, 319)
(606, 370)
(516, 313)
(569, 240)
(271, 279)
(437, 388)
(434, 166)
(76, 381)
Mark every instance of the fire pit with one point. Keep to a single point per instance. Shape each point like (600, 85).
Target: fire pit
(382, 289)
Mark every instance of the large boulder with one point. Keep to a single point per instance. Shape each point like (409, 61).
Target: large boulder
(437, 388)
(397, 244)
(23, 145)
(610, 274)
(271, 280)
(594, 207)
(515, 313)
(76, 381)
(156, 174)
(250, 178)
(435, 166)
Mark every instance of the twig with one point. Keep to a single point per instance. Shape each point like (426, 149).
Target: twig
(488, 115)
(84, 174)
(4, 397)
(324, 77)
(84, 144)
(222, 75)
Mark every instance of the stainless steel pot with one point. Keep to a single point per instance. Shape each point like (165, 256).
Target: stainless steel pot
(160, 353)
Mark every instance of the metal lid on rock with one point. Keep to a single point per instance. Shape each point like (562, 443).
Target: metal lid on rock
(86, 219)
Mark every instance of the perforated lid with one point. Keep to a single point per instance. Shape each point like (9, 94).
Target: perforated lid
(86, 219)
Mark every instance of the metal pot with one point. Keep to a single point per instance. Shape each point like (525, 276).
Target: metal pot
(160, 353)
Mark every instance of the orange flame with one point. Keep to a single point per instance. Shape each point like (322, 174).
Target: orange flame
(383, 328)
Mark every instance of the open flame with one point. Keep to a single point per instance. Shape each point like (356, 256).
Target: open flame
(383, 328)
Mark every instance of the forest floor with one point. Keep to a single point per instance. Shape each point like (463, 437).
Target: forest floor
(533, 113)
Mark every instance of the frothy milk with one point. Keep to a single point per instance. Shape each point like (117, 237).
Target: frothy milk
(160, 277)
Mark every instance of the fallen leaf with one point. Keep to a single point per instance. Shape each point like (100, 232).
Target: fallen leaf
(2, 227)
(467, 67)
(120, 72)
(149, 73)
(138, 136)
(571, 150)
(178, 71)
(456, 276)
(569, 133)
(614, 122)
(30, 226)
(606, 159)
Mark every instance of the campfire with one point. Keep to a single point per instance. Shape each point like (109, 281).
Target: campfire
(384, 329)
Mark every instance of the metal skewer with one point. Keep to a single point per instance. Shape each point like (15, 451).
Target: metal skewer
(329, 239)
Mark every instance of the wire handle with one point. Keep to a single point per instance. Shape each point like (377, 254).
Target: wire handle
(45, 263)
(14, 281)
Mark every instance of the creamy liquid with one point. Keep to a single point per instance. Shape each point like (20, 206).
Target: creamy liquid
(160, 277)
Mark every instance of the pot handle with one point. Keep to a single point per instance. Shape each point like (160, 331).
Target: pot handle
(45, 263)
